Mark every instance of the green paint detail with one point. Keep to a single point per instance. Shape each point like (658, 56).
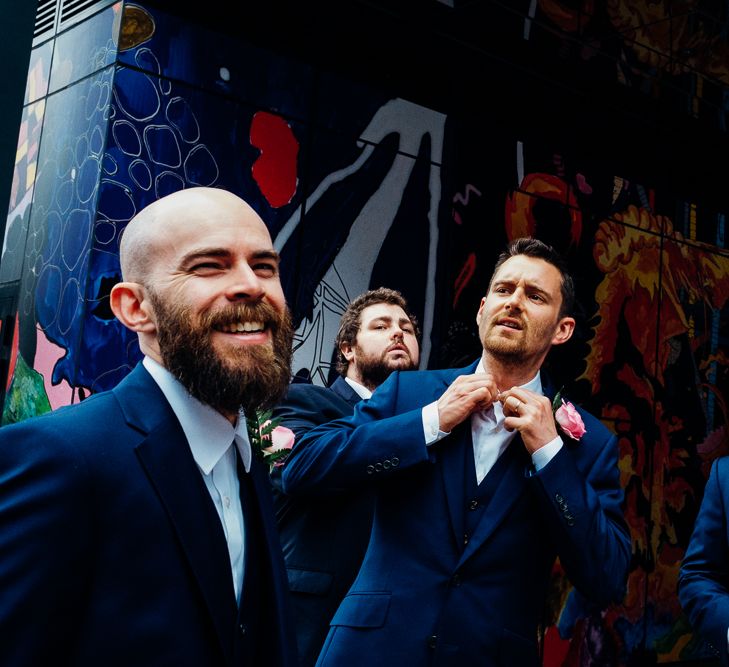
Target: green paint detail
(27, 395)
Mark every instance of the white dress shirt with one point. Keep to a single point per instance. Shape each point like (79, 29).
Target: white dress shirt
(490, 438)
(361, 390)
(210, 436)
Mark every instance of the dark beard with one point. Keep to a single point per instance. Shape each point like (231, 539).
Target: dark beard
(254, 377)
(373, 372)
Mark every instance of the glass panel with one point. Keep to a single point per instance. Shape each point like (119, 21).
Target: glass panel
(26, 160)
(86, 48)
(38, 71)
(59, 237)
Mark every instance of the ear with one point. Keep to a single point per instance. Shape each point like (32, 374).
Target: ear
(564, 331)
(480, 310)
(131, 307)
(347, 349)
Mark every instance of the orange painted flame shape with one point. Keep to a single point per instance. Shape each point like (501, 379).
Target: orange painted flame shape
(627, 249)
(519, 209)
(567, 16)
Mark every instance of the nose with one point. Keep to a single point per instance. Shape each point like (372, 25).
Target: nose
(398, 333)
(244, 285)
(515, 299)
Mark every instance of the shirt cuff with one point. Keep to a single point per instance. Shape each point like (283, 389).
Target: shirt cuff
(431, 424)
(545, 454)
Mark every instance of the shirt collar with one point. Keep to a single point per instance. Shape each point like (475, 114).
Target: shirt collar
(208, 433)
(535, 385)
(361, 390)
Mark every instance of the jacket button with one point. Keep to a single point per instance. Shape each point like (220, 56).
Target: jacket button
(473, 505)
(395, 461)
(432, 640)
(242, 629)
(386, 464)
(558, 497)
(370, 469)
(465, 538)
(378, 467)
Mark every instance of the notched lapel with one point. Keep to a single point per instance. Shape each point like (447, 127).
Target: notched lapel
(450, 454)
(510, 488)
(453, 473)
(165, 457)
(345, 392)
(167, 460)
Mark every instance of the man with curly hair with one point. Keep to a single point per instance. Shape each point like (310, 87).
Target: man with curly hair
(324, 540)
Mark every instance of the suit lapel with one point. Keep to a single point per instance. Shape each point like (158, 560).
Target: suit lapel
(166, 459)
(506, 494)
(510, 488)
(451, 462)
(343, 390)
(275, 632)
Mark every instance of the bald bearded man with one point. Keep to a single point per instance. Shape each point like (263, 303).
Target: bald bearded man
(136, 528)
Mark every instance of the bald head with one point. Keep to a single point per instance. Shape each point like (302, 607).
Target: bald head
(202, 291)
(158, 225)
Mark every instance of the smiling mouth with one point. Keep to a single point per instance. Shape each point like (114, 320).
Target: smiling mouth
(242, 327)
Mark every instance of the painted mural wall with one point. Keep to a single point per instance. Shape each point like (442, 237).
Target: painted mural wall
(361, 189)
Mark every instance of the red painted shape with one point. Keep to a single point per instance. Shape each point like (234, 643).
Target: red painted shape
(275, 170)
(555, 648)
(464, 277)
(13, 352)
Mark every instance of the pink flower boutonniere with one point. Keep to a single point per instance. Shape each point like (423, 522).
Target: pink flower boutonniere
(567, 418)
(269, 441)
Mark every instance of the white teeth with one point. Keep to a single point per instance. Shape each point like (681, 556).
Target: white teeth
(246, 327)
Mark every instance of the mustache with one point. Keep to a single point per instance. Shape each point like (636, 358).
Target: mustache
(243, 312)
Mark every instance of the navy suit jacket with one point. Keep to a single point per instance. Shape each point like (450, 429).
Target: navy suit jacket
(323, 541)
(428, 595)
(111, 551)
(703, 583)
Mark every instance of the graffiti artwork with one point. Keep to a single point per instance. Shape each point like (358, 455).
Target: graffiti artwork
(362, 189)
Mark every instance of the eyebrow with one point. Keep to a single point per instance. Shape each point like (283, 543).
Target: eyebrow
(201, 253)
(530, 286)
(389, 318)
(267, 254)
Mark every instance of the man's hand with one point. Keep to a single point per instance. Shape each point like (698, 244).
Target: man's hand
(531, 415)
(465, 396)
